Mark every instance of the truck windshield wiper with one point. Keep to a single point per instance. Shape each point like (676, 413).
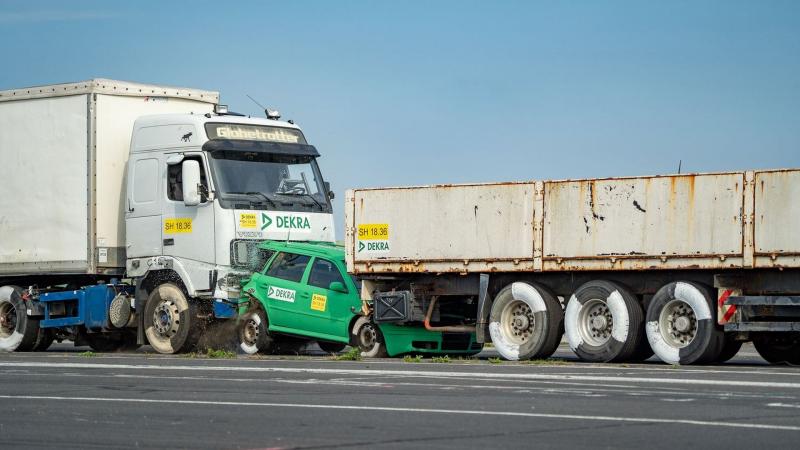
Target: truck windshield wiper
(258, 194)
(305, 194)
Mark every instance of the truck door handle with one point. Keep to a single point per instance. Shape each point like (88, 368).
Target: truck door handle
(169, 241)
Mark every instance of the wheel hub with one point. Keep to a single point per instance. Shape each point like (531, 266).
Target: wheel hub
(517, 322)
(367, 336)
(595, 322)
(8, 319)
(166, 319)
(678, 323)
(250, 332)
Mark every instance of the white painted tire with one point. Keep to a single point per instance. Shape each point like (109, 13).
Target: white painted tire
(525, 322)
(681, 324)
(604, 322)
(368, 337)
(253, 335)
(179, 330)
(18, 332)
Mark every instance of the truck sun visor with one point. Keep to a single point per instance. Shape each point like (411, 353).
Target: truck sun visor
(260, 146)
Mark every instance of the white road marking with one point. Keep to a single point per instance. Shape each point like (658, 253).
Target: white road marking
(653, 420)
(414, 374)
(783, 405)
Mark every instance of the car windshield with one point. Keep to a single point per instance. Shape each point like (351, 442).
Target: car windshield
(259, 180)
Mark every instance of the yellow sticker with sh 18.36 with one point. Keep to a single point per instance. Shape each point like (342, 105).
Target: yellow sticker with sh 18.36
(247, 220)
(183, 225)
(373, 232)
(318, 302)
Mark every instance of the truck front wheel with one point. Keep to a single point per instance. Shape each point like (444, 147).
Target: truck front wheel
(18, 332)
(526, 321)
(680, 324)
(170, 319)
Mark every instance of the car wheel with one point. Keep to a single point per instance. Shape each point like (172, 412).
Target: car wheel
(369, 339)
(253, 334)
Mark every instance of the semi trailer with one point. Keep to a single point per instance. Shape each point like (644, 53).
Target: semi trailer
(685, 266)
(129, 212)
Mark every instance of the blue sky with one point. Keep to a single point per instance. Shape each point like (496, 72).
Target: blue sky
(398, 93)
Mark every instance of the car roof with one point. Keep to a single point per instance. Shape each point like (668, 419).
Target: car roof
(312, 248)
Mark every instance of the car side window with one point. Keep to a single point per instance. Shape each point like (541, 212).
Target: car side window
(288, 266)
(323, 273)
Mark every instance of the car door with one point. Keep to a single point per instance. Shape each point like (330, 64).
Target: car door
(330, 310)
(284, 293)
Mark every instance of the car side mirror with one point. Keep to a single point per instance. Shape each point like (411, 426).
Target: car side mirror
(338, 287)
(191, 182)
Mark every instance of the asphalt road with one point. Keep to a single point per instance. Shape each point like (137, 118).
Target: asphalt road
(65, 399)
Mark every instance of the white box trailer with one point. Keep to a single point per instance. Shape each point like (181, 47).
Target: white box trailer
(643, 235)
(63, 150)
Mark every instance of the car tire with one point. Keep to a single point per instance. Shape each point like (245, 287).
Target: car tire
(367, 336)
(253, 333)
(604, 322)
(681, 326)
(526, 321)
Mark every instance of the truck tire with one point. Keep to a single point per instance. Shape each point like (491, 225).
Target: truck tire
(45, 340)
(604, 322)
(681, 326)
(101, 342)
(779, 348)
(526, 322)
(331, 347)
(254, 336)
(18, 332)
(170, 319)
(368, 338)
(729, 349)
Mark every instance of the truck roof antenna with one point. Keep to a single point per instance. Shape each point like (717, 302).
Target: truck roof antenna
(679, 166)
(254, 101)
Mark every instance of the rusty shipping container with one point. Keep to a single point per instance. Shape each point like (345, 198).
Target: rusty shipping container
(694, 221)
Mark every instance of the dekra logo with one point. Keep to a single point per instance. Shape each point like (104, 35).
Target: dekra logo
(286, 222)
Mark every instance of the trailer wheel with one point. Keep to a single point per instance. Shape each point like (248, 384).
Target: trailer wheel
(171, 322)
(253, 333)
(681, 327)
(44, 340)
(526, 321)
(604, 322)
(779, 348)
(18, 332)
(101, 342)
(729, 349)
(331, 347)
(369, 339)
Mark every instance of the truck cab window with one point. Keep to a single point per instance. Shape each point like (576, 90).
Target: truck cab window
(323, 273)
(175, 179)
(288, 266)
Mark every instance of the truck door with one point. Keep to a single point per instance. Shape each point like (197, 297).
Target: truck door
(143, 206)
(187, 231)
(329, 310)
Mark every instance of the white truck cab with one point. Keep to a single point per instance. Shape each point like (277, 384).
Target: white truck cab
(204, 189)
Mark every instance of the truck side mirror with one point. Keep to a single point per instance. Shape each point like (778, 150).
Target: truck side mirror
(328, 190)
(191, 182)
(338, 287)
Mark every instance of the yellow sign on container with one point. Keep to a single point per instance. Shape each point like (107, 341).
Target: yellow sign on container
(373, 232)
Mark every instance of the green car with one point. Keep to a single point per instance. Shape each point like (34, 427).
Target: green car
(304, 293)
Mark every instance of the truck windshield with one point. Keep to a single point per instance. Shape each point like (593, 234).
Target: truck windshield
(258, 180)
